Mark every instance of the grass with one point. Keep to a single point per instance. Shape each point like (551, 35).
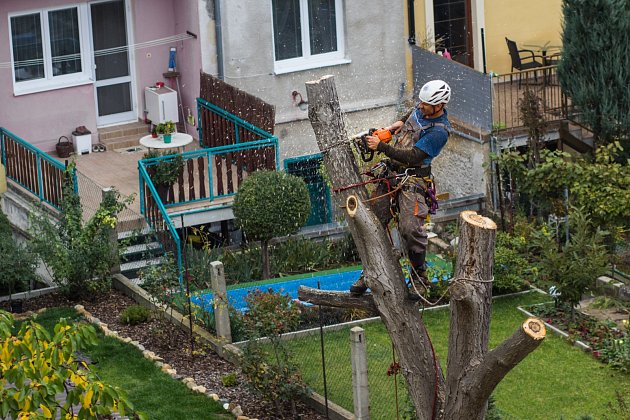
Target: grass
(149, 389)
(556, 381)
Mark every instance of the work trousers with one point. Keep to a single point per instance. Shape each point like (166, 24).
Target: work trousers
(412, 212)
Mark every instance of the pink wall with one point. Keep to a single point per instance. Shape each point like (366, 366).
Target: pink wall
(155, 19)
(41, 118)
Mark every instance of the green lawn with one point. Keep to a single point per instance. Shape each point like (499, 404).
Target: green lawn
(555, 381)
(149, 389)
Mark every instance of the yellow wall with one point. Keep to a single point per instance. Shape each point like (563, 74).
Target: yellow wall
(525, 22)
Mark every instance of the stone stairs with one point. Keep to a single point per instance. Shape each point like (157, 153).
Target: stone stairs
(123, 136)
(141, 250)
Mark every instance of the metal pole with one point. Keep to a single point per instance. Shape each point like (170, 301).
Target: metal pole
(321, 340)
(566, 209)
(187, 278)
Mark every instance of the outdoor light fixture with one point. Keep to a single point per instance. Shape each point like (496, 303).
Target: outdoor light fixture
(299, 101)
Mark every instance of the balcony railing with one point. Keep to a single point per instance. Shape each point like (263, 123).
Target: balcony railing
(508, 90)
(33, 169)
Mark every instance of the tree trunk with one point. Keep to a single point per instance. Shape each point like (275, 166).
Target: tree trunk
(472, 371)
(264, 251)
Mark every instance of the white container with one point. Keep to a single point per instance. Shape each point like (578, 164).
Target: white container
(82, 143)
(161, 104)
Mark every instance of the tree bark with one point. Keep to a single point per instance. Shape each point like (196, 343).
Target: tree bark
(470, 366)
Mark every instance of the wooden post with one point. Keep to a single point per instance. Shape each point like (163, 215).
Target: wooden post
(360, 389)
(220, 302)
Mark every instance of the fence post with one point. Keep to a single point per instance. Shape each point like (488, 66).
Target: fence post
(113, 235)
(360, 390)
(220, 302)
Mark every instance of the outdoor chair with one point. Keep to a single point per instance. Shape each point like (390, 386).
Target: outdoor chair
(523, 60)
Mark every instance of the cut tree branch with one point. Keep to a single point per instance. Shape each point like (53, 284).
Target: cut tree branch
(337, 299)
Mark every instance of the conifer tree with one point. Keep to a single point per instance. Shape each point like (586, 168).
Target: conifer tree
(595, 66)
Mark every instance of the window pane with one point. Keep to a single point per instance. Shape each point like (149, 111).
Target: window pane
(287, 29)
(114, 99)
(65, 45)
(322, 26)
(109, 32)
(26, 37)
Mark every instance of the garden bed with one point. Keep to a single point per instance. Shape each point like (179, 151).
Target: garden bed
(603, 338)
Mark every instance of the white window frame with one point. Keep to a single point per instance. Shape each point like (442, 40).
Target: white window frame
(308, 61)
(50, 82)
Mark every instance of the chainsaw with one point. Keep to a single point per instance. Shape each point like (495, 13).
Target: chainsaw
(360, 140)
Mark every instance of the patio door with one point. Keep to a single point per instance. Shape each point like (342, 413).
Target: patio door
(112, 70)
(453, 29)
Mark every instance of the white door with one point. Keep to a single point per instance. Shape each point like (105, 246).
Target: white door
(112, 65)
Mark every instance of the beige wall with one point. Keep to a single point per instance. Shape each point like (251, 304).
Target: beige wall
(526, 22)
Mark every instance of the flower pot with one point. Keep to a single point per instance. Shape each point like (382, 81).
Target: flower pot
(154, 135)
(167, 138)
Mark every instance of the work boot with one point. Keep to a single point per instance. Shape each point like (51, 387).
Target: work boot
(358, 287)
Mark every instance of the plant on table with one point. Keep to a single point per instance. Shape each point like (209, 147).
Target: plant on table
(80, 254)
(167, 127)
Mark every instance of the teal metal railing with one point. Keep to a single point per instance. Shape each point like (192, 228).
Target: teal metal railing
(34, 170)
(206, 175)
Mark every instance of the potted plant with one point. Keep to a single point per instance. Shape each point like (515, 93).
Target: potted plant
(165, 172)
(166, 128)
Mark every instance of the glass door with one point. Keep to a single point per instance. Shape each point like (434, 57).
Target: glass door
(453, 28)
(112, 70)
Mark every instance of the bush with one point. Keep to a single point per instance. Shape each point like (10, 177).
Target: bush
(269, 204)
(80, 254)
(272, 373)
(134, 315)
(17, 264)
(229, 380)
(510, 267)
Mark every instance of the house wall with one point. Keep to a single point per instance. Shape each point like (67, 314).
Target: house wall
(526, 22)
(41, 118)
(374, 42)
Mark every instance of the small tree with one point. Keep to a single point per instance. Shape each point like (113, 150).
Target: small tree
(36, 367)
(575, 265)
(594, 69)
(270, 204)
(80, 254)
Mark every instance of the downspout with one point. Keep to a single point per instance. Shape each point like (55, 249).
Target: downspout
(411, 20)
(219, 38)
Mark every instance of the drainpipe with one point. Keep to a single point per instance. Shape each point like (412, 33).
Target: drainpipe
(411, 19)
(219, 37)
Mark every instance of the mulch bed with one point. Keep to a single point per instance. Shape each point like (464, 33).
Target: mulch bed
(174, 346)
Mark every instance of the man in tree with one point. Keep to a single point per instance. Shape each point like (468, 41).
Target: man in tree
(424, 132)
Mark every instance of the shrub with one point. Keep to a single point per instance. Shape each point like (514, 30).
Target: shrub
(229, 380)
(510, 267)
(17, 264)
(35, 366)
(80, 254)
(271, 373)
(134, 315)
(270, 204)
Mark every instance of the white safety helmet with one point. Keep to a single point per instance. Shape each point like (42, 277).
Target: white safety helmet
(435, 92)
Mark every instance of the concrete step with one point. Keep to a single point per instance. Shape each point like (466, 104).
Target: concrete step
(134, 129)
(121, 143)
(132, 269)
(141, 251)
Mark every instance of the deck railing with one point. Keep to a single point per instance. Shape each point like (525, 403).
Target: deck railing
(33, 169)
(508, 89)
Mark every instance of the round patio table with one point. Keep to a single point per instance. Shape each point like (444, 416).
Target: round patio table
(177, 140)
